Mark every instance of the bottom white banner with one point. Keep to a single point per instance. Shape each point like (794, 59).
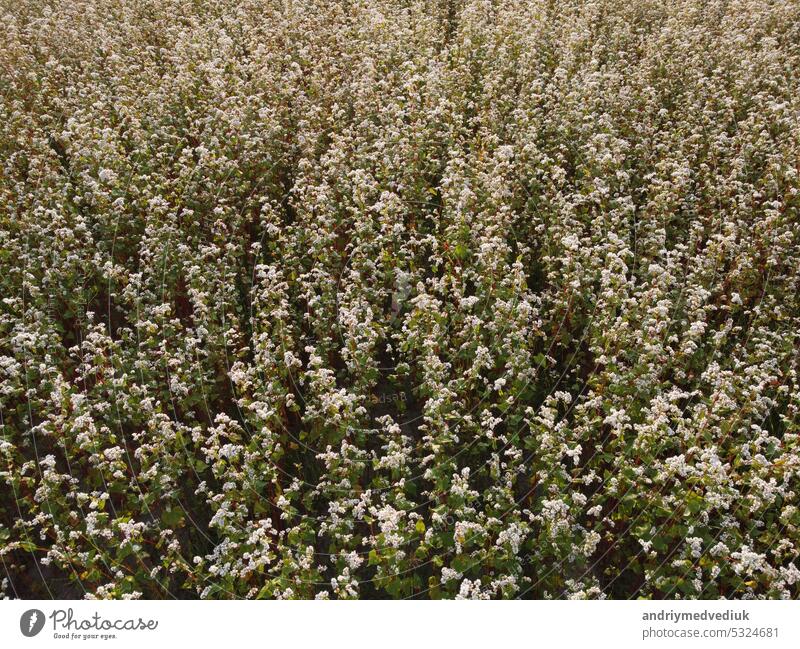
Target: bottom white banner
(399, 624)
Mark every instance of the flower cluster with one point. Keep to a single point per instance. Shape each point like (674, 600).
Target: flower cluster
(400, 299)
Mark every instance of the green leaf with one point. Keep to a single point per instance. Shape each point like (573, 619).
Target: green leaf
(172, 517)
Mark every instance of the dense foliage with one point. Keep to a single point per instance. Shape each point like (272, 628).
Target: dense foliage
(399, 298)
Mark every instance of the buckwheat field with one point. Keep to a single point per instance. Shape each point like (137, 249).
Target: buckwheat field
(399, 299)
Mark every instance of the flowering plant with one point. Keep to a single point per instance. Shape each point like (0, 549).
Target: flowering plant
(400, 299)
